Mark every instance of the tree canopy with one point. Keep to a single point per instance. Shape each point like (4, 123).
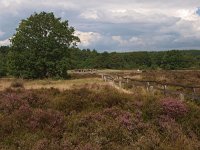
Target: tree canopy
(41, 47)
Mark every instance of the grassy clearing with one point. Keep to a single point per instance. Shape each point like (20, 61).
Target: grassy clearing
(59, 84)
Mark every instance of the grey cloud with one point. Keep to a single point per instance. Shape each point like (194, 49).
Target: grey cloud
(140, 24)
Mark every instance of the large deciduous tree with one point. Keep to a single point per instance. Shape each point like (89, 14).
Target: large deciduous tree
(41, 47)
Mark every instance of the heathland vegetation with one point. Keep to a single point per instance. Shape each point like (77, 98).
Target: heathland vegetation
(96, 117)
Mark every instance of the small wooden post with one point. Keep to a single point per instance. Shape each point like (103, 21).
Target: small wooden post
(102, 76)
(151, 88)
(164, 91)
(105, 78)
(194, 90)
(182, 96)
(120, 83)
(127, 80)
(194, 93)
(148, 86)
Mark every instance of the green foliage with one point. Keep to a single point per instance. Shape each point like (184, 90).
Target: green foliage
(133, 60)
(41, 47)
(173, 60)
(3, 60)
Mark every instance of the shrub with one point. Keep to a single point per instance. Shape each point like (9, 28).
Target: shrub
(49, 121)
(173, 107)
(35, 99)
(11, 102)
(151, 108)
(17, 84)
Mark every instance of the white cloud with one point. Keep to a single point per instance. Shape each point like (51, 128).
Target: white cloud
(119, 11)
(5, 42)
(132, 41)
(88, 38)
(90, 14)
(119, 39)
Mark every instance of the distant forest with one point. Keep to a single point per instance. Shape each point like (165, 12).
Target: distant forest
(86, 58)
(170, 60)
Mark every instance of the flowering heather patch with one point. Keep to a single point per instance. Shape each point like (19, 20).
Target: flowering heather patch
(13, 100)
(10, 102)
(113, 112)
(174, 107)
(47, 120)
(35, 99)
(84, 119)
(169, 125)
(126, 120)
(119, 117)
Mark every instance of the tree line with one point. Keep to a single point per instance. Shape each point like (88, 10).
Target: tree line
(173, 59)
(87, 59)
(45, 46)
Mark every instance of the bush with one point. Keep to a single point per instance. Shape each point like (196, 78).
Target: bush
(49, 121)
(173, 107)
(17, 84)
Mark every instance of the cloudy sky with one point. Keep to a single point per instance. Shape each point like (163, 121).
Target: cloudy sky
(115, 25)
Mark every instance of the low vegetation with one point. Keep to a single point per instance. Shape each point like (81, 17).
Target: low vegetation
(96, 117)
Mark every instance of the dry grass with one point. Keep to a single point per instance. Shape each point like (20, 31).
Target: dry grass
(48, 83)
(5, 83)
